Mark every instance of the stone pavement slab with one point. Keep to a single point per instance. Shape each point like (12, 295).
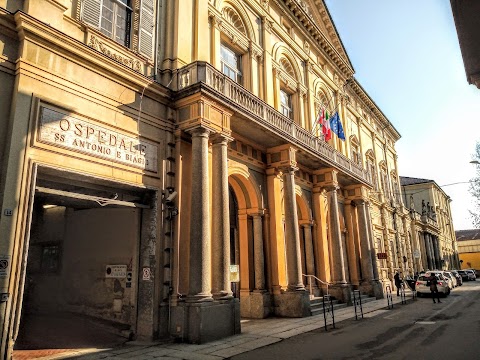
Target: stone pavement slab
(255, 334)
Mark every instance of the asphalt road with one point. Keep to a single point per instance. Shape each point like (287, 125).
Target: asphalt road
(417, 330)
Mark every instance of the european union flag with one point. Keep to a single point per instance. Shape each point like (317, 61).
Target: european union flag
(336, 126)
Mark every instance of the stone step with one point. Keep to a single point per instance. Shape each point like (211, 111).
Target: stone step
(316, 303)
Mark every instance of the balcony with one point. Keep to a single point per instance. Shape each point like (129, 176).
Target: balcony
(267, 117)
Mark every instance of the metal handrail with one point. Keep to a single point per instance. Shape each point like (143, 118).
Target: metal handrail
(309, 277)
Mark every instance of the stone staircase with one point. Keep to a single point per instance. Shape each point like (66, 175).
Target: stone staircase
(316, 303)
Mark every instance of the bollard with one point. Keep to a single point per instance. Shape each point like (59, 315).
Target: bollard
(328, 309)
(357, 301)
(389, 297)
(402, 294)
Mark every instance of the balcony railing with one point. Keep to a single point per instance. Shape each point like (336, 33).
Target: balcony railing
(266, 115)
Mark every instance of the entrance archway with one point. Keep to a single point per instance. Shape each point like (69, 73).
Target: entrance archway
(81, 275)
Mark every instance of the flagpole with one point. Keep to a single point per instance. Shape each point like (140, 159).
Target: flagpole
(328, 102)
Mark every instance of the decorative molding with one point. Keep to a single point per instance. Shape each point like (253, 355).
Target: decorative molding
(104, 48)
(306, 47)
(267, 24)
(264, 4)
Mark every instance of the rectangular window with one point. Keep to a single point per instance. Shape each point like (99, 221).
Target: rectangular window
(115, 20)
(231, 64)
(286, 104)
(50, 258)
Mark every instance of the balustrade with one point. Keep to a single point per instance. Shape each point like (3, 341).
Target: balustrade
(264, 113)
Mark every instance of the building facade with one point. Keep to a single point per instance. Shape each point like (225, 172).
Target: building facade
(163, 166)
(432, 228)
(469, 248)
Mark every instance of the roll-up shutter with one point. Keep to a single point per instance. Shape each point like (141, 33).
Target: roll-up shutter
(91, 10)
(146, 31)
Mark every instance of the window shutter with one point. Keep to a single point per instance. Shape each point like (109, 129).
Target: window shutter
(145, 46)
(91, 11)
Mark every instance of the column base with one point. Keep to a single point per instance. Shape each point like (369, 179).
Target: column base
(372, 288)
(341, 292)
(201, 322)
(256, 304)
(292, 304)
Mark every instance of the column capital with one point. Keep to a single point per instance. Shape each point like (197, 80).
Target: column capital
(332, 187)
(199, 131)
(221, 139)
(360, 202)
(287, 169)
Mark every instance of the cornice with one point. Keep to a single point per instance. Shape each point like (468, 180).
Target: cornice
(7, 24)
(79, 52)
(295, 6)
(370, 104)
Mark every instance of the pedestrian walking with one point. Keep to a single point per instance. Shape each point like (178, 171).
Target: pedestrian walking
(433, 287)
(398, 282)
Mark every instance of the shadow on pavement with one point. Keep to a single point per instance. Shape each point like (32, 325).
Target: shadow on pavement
(49, 334)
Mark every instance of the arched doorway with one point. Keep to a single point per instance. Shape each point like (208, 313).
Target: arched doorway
(247, 240)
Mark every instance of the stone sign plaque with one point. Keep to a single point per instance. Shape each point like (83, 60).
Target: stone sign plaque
(59, 129)
(116, 271)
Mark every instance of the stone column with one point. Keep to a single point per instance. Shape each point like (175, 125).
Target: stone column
(353, 236)
(200, 252)
(309, 256)
(366, 260)
(338, 275)
(258, 252)
(292, 235)
(372, 246)
(436, 250)
(432, 252)
(220, 220)
(428, 246)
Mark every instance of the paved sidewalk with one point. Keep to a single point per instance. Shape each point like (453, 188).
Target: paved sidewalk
(255, 334)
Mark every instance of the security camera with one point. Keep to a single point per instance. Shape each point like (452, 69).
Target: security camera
(171, 197)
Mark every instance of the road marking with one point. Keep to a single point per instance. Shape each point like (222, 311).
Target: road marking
(425, 322)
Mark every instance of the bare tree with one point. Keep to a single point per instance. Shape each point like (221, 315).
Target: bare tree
(475, 190)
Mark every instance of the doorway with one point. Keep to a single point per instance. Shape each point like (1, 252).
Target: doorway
(82, 264)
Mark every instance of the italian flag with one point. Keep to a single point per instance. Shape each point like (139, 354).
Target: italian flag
(325, 124)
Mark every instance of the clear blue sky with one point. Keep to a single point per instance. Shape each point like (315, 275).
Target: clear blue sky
(407, 57)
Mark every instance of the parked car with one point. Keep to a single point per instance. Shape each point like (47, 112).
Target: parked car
(464, 275)
(458, 277)
(471, 274)
(442, 284)
(452, 282)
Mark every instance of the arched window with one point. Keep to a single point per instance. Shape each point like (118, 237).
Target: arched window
(384, 179)
(395, 189)
(232, 52)
(371, 169)
(355, 153)
(287, 93)
(286, 103)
